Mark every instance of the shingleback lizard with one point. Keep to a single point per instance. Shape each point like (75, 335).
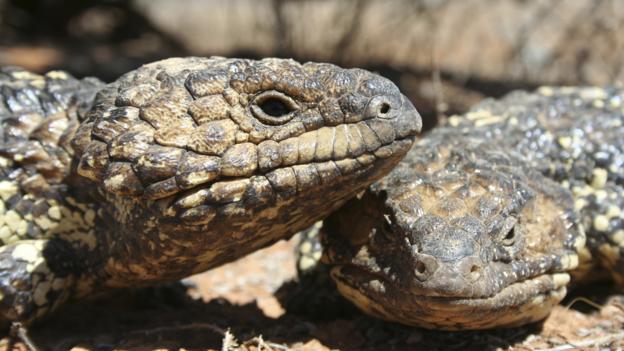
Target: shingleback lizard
(177, 167)
(488, 217)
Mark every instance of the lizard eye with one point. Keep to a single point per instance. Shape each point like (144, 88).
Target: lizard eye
(273, 108)
(386, 227)
(508, 231)
(510, 238)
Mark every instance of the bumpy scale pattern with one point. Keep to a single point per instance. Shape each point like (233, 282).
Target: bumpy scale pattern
(481, 223)
(192, 113)
(38, 116)
(189, 136)
(573, 136)
(178, 166)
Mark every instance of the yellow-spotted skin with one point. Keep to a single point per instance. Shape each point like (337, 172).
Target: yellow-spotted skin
(35, 287)
(309, 249)
(177, 167)
(487, 218)
(46, 229)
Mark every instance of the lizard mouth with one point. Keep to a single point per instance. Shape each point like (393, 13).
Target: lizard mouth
(293, 180)
(518, 303)
(331, 170)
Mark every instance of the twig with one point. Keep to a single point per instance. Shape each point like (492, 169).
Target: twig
(20, 332)
(587, 343)
(279, 346)
(229, 341)
(267, 345)
(586, 300)
(260, 342)
(191, 326)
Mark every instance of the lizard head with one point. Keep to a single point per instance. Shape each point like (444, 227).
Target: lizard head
(459, 236)
(234, 154)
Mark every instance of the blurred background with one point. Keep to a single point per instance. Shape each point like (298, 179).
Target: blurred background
(445, 55)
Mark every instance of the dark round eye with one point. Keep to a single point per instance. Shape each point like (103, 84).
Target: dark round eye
(273, 107)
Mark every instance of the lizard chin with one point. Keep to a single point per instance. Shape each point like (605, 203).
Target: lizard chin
(519, 303)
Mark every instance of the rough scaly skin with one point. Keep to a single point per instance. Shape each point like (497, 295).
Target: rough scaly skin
(38, 115)
(485, 219)
(179, 166)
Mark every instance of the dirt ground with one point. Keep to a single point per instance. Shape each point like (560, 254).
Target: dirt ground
(237, 307)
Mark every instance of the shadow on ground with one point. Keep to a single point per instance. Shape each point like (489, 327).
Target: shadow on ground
(166, 318)
(256, 304)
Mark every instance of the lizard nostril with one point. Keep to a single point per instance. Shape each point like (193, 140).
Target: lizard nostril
(424, 267)
(384, 108)
(420, 267)
(379, 106)
(475, 272)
